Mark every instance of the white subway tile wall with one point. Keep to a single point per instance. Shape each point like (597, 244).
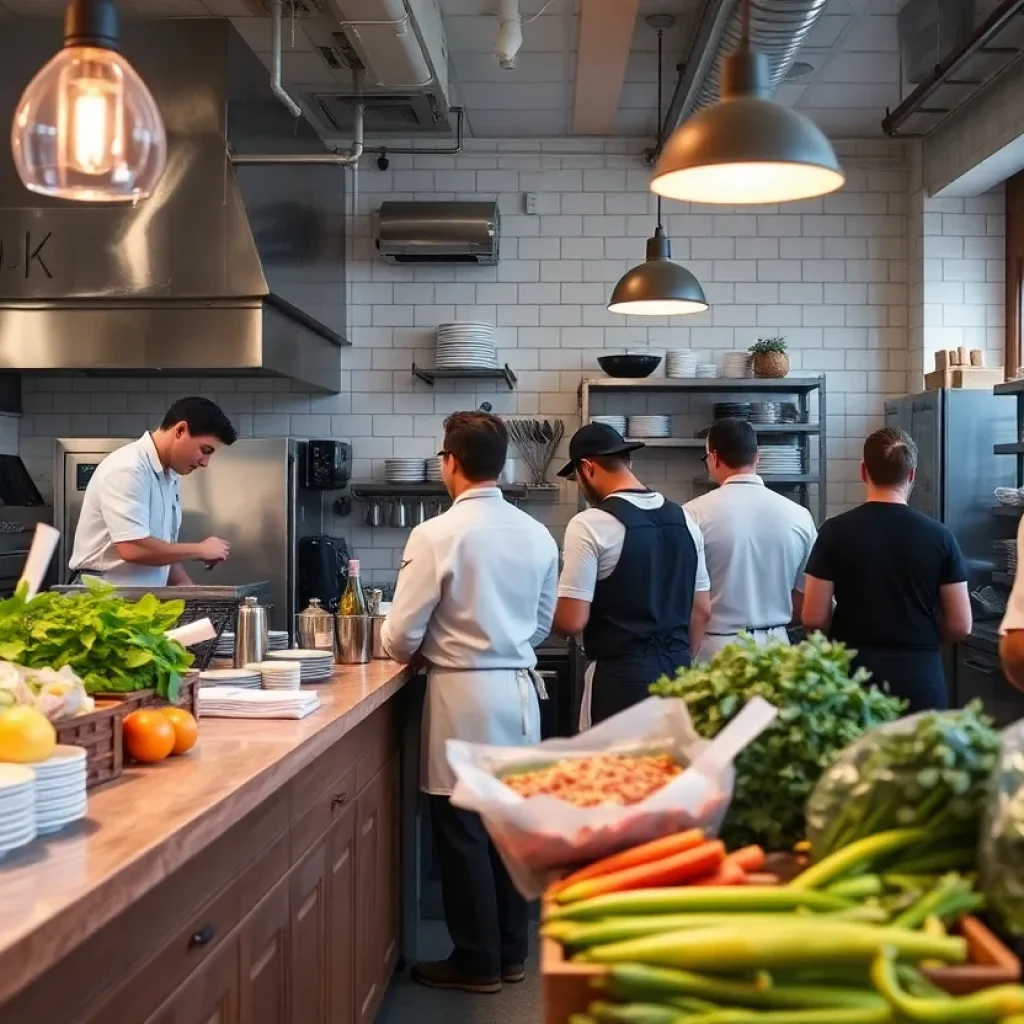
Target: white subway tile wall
(831, 275)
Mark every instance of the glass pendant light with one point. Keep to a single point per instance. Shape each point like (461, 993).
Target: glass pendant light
(658, 287)
(87, 128)
(746, 149)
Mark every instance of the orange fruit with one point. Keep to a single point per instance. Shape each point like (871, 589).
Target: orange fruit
(186, 729)
(148, 735)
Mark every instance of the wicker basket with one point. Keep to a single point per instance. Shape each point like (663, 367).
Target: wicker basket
(188, 696)
(222, 615)
(100, 733)
(771, 364)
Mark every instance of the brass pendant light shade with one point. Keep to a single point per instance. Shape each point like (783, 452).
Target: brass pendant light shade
(746, 149)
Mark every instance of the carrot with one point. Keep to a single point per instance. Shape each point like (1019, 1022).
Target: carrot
(673, 870)
(656, 849)
(750, 858)
(729, 873)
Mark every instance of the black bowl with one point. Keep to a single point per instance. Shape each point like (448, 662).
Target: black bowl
(629, 366)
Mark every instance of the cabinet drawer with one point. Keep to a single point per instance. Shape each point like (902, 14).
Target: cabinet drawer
(321, 812)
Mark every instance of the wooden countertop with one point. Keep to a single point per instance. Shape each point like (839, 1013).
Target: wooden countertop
(61, 889)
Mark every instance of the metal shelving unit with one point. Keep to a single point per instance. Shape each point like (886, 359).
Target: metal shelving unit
(801, 388)
(430, 375)
(1015, 448)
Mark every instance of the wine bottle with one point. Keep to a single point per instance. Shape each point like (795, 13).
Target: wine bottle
(353, 601)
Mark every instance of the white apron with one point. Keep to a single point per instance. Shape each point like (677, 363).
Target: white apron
(711, 645)
(494, 706)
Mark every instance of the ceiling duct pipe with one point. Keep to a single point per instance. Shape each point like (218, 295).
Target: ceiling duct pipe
(778, 29)
(275, 62)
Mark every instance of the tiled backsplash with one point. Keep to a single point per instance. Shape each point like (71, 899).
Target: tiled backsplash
(829, 274)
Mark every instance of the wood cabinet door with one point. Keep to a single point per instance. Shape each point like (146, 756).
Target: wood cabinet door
(307, 947)
(341, 924)
(265, 962)
(389, 869)
(209, 996)
(367, 917)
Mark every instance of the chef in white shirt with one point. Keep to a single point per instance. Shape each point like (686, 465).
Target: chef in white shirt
(131, 514)
(634, 584)
(756, 544)
(1011, 640)
(475, 595)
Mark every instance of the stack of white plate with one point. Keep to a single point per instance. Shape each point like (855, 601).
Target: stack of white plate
(765, 412)
(705, 370)
(467, 345)
(278, 641)
(17, 807)
(405, 471)
(736, 365)
(433, 473)
(681, 363)
(650, 426)
(779, 460)
(247, 678)
(278, 675)
(316, 665)
(615, 422)
(60, 789)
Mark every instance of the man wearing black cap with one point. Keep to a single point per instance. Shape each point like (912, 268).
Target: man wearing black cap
(634, 582)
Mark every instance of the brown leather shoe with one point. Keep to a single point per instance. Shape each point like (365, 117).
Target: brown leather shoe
(512, 974)
(445, 974)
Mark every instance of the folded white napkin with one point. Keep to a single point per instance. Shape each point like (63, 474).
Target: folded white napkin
(235, 702)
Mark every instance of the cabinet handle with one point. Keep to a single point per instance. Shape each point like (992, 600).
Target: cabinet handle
(203, 937)
(989, 670)
(339, 799)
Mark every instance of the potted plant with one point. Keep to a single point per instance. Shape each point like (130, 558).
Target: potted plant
(770, 359)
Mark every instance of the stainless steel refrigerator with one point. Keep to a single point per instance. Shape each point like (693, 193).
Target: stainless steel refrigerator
(251, 495)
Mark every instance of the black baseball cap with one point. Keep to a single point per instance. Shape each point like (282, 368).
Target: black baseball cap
(596, 439)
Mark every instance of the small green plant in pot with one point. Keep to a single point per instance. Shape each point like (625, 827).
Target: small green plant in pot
(770, 358)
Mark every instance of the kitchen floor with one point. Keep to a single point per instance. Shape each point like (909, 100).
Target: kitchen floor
(409, 1003)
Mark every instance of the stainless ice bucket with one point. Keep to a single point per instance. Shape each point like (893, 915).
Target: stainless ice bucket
(378, 640)
(355, 639)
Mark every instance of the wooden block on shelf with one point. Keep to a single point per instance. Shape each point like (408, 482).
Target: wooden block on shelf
(980, 377)
(943, 358)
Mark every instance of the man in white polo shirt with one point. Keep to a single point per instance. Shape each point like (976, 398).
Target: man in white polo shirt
(131, 514)
(756, 543)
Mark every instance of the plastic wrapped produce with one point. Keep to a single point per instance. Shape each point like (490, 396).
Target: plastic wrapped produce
(1001, 852)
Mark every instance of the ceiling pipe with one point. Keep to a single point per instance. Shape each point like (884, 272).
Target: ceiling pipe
(275, 62)
(778, 29)
(986, 32)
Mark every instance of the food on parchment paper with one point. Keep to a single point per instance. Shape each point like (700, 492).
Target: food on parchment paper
(600, 779)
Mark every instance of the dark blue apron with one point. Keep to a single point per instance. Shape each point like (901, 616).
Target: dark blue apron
(639, 627)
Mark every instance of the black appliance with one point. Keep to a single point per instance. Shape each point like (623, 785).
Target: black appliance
(328, 465)
(16, 486)
(323, 569)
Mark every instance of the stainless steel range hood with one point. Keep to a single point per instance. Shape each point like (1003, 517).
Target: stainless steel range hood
(223, 271)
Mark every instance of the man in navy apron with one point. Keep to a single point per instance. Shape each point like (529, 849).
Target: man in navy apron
(634, 582)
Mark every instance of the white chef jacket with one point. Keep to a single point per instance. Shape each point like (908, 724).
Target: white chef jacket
(1013, 618)
(757, 544)
(475, 594)
(130, 497)
(591, 551)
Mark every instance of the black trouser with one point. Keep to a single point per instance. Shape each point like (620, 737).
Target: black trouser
(487, 918)
(621, 682)
(915, 675)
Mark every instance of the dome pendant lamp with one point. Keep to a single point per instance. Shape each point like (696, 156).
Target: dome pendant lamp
(86, 128)
(658, 287)
(746, 149)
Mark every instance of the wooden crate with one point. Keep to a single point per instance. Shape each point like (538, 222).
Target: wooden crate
(982, 377)
(100, 732)
(188, 696)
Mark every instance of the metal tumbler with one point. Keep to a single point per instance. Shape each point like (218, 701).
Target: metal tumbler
(252, 637)
(355, 639)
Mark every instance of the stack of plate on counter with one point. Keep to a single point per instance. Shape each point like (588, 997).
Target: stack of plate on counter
(277, 638)
(779, 460)
(17, 807)
(433, 474)
(277, 675)
(736, 365)
(60, 789)
(706, 370)
(315, 666)
(405, 471)
(228, 702)
(466, 346)
(733, 410)
(649, 426)
(765, 412)
(1006, 555)
(615, 422)
(681, 363)
(247, 678)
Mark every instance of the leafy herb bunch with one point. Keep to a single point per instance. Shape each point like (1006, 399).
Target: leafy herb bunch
(822, 709)
(113, 645)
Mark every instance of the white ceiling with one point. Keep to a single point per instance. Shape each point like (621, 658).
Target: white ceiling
(852, 50)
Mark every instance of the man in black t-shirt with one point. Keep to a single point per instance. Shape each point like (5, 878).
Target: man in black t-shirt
(898, 579)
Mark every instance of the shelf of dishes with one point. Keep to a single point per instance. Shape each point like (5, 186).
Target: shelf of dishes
(784, 385)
